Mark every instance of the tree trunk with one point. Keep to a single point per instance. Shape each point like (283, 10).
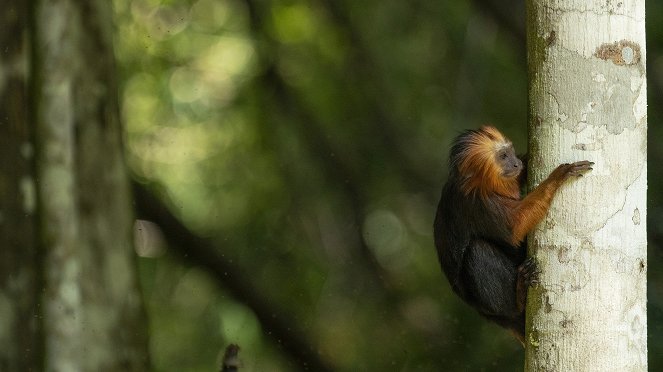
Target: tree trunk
(19, 332)
(588, 102)
(93, 317)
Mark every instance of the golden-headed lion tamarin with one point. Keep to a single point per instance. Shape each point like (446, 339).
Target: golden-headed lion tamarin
(482, 221)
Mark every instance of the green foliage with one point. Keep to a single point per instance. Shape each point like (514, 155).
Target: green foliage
(308, 140)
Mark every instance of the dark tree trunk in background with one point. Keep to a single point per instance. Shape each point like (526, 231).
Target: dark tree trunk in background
(19, 345)
(78, 307)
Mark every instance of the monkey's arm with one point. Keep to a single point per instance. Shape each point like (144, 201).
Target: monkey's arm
(528, 212)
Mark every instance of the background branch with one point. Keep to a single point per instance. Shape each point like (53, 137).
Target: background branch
(200, 252)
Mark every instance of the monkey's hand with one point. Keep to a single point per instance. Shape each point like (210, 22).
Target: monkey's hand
(566, 171)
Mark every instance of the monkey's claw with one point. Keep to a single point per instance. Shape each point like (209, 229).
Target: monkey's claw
(578, 168)
(528, 276)
(528, 272)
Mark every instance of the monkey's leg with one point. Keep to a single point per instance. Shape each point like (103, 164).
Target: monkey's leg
(489, 277)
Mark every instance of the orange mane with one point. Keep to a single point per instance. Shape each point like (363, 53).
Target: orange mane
(477, 166)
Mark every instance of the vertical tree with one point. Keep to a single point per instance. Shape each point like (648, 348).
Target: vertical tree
(18, 224)
(69, 295)
(92, 305)
(588, 101)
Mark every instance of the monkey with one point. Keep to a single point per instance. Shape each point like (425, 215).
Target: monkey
(481, 224)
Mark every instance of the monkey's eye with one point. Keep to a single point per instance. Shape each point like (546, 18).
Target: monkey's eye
(503, 156)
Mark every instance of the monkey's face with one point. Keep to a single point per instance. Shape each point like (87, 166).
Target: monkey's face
(509, 163)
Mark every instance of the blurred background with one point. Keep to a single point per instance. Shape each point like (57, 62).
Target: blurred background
(303, 145)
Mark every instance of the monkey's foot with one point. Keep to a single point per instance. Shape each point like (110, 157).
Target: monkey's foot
(528, 276)
(528, 273)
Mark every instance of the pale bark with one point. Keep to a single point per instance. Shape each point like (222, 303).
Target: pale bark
(588, 102)
(93, 318)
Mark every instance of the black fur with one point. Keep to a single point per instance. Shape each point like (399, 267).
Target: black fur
(472, 238)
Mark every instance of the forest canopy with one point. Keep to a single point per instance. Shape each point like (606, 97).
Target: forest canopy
(287, 157)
